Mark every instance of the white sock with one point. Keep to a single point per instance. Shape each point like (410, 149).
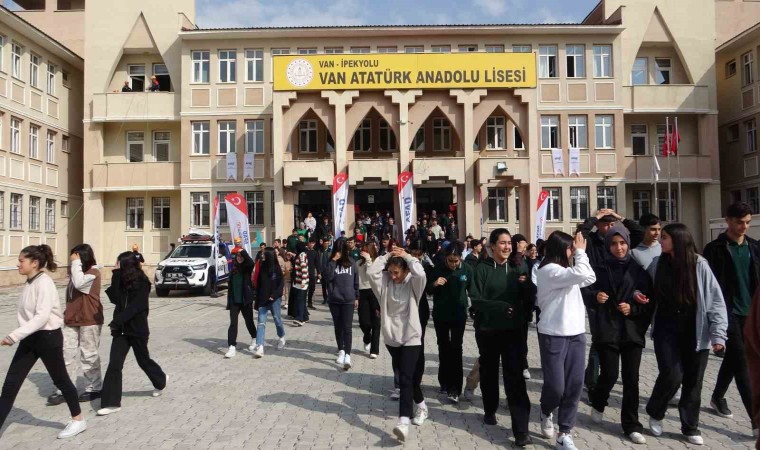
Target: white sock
(422, 405)
(404, 420)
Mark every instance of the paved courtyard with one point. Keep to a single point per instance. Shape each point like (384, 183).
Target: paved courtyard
(297, 398)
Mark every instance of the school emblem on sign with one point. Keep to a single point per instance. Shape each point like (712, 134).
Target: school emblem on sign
(300, 72)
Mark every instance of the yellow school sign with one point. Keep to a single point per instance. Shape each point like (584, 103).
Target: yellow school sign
(404, 71)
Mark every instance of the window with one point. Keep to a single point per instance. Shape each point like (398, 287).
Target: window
(579, 203)
(64, 78)
(414, 49)
(226, 137)
(387, 137)
(254, 136)
(199, 209)
(418, 144)
(2, 52)
(333, 50)
(363, 136)
(135, 213)
(2, 209)
(639, 139)
(50, 146)
(16, 52)
(662, 207)
(732, 133)
(495, 133)
(441, 134)
(494, 48)
(15, 135)
(34, 141)
(64, 209)
(730, 68)
(642, 204)
(65, 143)
(255, 203)
(280, 51)
(34, 213)
(522, 49)
(497, 204)
(222, 210)
(201, 139)
(307, 51)
(254, 65)
(135, 146)
(359, 49)
(161, 213)
(661, 136)
(547, 61)
(271, 206)
(227, 66)
(750, 128)
(50, 215)
(387, 49)
(753, 200)
(576, 61)
(440, 49)
(468, 48)
(578, 131)
(602, 61)
(606, 198)
(549, 132)
(604, 132)
(554, 210)
(748, 68)
(51, 71)
(516, 193)
(162, 76)
(200, 66)
(307, 136)
(663, 70)
(17, 203)
(519, 145)
(639, 73)
(137, 77)
(161, 145)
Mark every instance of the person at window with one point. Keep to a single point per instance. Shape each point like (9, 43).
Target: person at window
(155, 86)
(126, 87)
(240, 296)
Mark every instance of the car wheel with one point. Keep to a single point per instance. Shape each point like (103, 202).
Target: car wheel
(208, 289)
(162, 292)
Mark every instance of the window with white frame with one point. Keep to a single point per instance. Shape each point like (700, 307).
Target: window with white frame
(222, 211)
(522, 49)
(732, 132)
(201, 138)
(135, 211)
(199, 209)
(280, 51)
(226, 136)
(17, 204)
(307, 51)
(161, 72)
(64, 209)
(2, 52)
(333, 50)
(579, 203)
(730, 69)
(2, 209)
(518, 140)
(750, 129)
(161, 145)
(227, 66)
(65, 79)
(441, 134)
(604, 131)
(662, 204)
(577, 131)
(65, 144)
(51, 71)
(201, 66)
(254, 136)
(363, 136)
(34, 141)
(359, 50)
(50, 215)
(414, 49)
(516, 194)
(554, 205)
(418, 143)
(748, 68)
(606, 197)
(16, 52)
(468, 48)
(255, 202)
(547, 61)
(496, 48)
(440, 49)
(639, 72)
(497, 204)
(271, 207)
(642, 204)
(307, 136)
(137, 76)
(602, 61)
(50, 147)
(663, 70)
(549, 132)
(496, 133)
(576, 60)
(135, 146)
(387, 137)
(753, 200)
(15, 135)
(34, 213)
(387, 49)
(639, 139)
(254, 65)
(162, 213)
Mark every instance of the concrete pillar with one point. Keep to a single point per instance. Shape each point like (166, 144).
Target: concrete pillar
(404, 100)
(711, 209)
(94, 213)
(339, 101)
(280, 138)
(531, 139)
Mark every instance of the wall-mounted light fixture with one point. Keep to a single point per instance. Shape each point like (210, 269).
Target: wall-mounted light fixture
(501, 166)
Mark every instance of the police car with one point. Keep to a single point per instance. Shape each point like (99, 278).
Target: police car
(193, 265)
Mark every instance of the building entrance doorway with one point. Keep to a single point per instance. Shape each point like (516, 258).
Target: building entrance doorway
(434, 199)
(316, 202)
(371, 201)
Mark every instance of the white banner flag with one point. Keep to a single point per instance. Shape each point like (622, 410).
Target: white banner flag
(232, 166)
(406, 200)
(541, 210)
(575, 161)
(217, 238)
(237, 217)
(248, 166)
(340, 200)
(558, 162)
(655, 169)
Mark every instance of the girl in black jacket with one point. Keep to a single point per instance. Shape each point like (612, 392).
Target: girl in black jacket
(240, 300)
(269, 287)
(342, 276)
(129, 292)
(621, 322)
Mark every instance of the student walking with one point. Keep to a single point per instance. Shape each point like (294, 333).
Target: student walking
(561, 332)
(300, 279)
(369, 306)
(129, 292)
(39, 336)
(690, 317)
(240, 300)
(398, 281)
(343, 277)
(269, 287)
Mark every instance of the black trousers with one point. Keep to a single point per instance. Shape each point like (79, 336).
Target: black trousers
(525, 348)
(111, 393)
(312, 288)
(325, 292)
(610, 358)
(369, 320)
(235, 310)
(47, 346)
(592, 369)
(450, 372)
(406, 360)
(343, 319)
(734, 365)
(504, 345)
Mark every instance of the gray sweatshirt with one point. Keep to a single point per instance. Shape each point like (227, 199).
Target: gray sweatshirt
(343, 283)
(644, 254)
(364, 281)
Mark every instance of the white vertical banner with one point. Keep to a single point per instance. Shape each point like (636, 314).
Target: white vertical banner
(406, 200)
(558, 162)
(248, 166)
(340, 200)
(575, 161)
(217, 238)
(237, 217)
(232, 166)
(541, 209)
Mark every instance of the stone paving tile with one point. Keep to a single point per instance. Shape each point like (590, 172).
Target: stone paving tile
(298, 399)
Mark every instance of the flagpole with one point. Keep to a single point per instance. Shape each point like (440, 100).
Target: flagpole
(678, 169)
(668, 215)
(654, 173)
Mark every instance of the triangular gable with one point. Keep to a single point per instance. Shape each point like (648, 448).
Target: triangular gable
(140, 38)
(657, 30)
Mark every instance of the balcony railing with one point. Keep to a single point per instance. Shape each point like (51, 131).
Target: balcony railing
(135, 106)
(145, 176)
(685, 98)
(694, 168)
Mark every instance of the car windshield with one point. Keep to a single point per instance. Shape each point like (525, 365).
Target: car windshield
(192, 251)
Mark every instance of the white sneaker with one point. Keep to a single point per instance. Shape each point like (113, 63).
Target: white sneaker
(565, 442)
(252, 347)
(107, 411)
(401, 431)
(158, 392)
(597, 416)
(297, 323)
(420, 416)
(281, 343)
(341, 358)
(526, 374)
(396, 394)
(73, 428)
(547, 426)
(367, 347)
(231, 352)
(468, 394)
(372, 356)
(258, 352)
(637, 438)
(695, 440)
(655, 426)
(347, 362)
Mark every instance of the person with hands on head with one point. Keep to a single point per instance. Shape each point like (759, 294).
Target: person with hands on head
(240, 296)
(369, 306)
(343, 277)
(269, 287)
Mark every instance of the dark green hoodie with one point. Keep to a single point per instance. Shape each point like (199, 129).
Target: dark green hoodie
(498, 298)
(450, 300)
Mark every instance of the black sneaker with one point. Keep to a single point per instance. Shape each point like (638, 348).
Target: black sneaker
(55, 400)
(311, 307)
(721, 407)
(443, 390)
(489, 419)
(523, 439)
(89, 396)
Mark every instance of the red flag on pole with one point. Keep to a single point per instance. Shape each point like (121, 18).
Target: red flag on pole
(670, 144)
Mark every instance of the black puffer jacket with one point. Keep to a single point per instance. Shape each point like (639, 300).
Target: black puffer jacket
(246, 269)
(130, 317)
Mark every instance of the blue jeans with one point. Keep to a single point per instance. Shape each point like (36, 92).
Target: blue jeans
(274, 308)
